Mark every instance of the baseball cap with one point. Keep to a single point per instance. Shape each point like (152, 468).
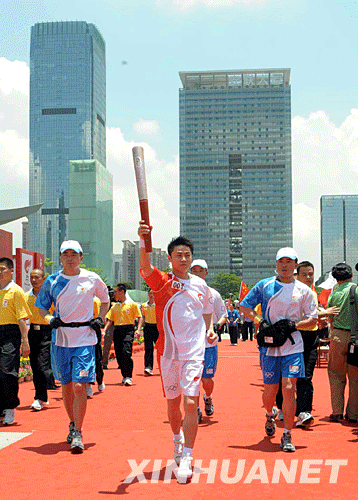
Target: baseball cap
(199, 262)
(71, 245)
(287, 252)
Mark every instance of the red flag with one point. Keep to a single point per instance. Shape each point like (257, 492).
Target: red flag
(244, 290)
(323, 296)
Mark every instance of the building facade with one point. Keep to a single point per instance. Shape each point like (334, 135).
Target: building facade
(131, 266)
(91, 213)
(235, 168)
(339, 231)
(67, 121)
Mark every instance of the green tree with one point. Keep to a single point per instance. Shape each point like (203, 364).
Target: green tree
(228, 285)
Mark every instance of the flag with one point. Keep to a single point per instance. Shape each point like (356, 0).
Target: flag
(244, 290)
(327, 288)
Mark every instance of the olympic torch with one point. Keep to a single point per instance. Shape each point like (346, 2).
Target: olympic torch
(139, 168)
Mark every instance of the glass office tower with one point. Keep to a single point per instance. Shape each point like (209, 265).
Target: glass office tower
(91, 213)
(339, 231)
(67, 120)
(235, 168)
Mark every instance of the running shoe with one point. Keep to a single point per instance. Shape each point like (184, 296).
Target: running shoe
(76, 444)
(350, 420)
(270, 425)
(71, 430)
(148, 372)
(185, 470)
(200, 415)
(336, 417)
(286, 444)
(209, 407)
(101, 387)
(127, 381)
(304, 419)
(89, 390)
(9, 417)
(37, 405)
(178, 448)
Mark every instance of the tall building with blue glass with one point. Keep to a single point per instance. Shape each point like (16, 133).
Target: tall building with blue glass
(67, 121)
(235, 168)
(339, 231)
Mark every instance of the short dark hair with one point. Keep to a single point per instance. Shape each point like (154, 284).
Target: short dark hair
(121, 286)
(342, 272)
(304, 263)
(38, 269)
(8, 262)
(180, 240)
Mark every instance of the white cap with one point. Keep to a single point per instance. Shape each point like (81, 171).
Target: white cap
(199, 262)
(287, 252)
(71, 245)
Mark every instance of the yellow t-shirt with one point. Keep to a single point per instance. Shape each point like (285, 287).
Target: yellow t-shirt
(96, 306)
(13, 306)
(36, 317)
(148, 311)
(124, 313)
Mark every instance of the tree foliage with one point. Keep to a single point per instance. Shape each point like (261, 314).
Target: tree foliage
(228, 285)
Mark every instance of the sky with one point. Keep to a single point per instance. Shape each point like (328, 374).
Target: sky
(157, 39)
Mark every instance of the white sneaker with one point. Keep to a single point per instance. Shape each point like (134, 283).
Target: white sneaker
(148, 372)
(185, 470)
(127, 381)
(178, 448)
(89, 390)
(304, 419)
(9, 417)
(101, 387)
(37, 405)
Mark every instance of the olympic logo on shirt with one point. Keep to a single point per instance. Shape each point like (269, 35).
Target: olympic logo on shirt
(171, 388)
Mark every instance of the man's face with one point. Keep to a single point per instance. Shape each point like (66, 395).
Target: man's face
(36, 279)
(306, 275)
(199, 271)
(151, 296)
(180, 259)
(70, 261)
(5, 274)
(119, 295)
(285, 268)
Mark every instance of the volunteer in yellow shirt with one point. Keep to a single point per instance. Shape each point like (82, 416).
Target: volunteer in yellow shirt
(40, 344)
(150, 332)
(13, 331)
(123, 315)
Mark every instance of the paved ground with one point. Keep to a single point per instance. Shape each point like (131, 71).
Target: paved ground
(129, 444)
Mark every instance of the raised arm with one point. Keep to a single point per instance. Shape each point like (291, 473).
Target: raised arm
(145, 264)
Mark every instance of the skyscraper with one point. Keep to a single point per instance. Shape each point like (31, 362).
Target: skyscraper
(67, 120)
(235, 168)
(339, 231)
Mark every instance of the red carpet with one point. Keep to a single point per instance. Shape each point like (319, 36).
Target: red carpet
(129, 444)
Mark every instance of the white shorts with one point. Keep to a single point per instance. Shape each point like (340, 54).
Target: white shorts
(180, 377)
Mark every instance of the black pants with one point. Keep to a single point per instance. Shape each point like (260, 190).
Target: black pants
(151, 334)
(99, 364)
(10, 342)
(233, 334)
(247, 329)
(123, 337)
(304, 384)
(40, 359)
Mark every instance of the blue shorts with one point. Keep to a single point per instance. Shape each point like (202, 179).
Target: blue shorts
(75, 364)
(210, 362)
(275, 367)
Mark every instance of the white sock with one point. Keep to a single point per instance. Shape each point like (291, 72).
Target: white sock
(187, 451)
(180, 436)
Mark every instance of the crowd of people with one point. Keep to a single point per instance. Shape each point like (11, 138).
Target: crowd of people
(61, 323)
